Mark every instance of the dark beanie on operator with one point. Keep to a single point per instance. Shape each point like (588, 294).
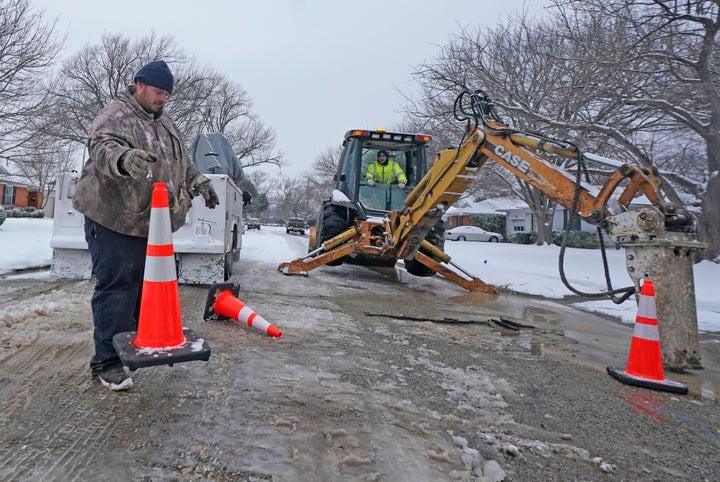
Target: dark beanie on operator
(157, 74)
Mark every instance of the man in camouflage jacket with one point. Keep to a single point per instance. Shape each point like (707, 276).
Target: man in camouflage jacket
(132, 144)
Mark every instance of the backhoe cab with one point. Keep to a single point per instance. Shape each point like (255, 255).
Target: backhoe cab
(353, 199)
(361, 148)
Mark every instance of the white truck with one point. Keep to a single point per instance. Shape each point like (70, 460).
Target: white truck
(206, 246)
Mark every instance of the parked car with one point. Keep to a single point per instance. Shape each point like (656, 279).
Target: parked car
(472, 233)
(253, 223)
(295, 225)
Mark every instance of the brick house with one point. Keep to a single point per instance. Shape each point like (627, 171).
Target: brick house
(16, 191)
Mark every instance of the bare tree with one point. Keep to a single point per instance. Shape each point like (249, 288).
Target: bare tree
(650, 89)
(672, 57)
(202, 99)
(288, 197)
(254, 144)
(319, 181)
(41, 159)
(325, 166)
(260, 180)
(502, 61)
(93, 77)
(259, 185)
(27, 51)
(598, 73)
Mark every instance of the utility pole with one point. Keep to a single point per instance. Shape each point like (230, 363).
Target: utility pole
(307, 196)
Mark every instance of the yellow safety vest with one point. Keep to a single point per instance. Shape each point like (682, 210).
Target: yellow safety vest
(387, 174)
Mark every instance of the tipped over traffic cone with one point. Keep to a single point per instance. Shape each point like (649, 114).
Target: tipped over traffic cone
(161, 338)
(222, 303)
(644, 367)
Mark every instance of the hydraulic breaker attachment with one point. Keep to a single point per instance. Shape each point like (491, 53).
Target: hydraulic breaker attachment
(666, 258)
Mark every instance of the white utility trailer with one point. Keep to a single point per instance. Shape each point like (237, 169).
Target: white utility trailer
(207, 244)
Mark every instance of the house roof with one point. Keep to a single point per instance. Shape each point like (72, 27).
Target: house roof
(486, 206)
(502, 205)
(14, 180)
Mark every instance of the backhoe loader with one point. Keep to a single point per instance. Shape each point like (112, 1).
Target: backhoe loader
(358, 222)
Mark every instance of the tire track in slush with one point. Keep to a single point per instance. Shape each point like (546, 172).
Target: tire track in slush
(56, 421)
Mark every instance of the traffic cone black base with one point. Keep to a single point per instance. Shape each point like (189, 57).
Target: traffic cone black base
(223, 304)
(665, 385)
(134, 357)
(215, 290)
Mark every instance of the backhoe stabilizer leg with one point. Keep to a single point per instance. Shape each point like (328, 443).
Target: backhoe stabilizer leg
(301, 266)
(294, 267)
(473, 284)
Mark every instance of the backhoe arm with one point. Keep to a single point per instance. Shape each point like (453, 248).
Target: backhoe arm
(455, 169)
(659, 239)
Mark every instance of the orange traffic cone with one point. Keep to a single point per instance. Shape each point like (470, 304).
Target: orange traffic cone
(222, 303)
(160, 323)
(160, 338)
(644, 368)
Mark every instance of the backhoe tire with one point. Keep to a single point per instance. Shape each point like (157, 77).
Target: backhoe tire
(332, 225)
(436, 237)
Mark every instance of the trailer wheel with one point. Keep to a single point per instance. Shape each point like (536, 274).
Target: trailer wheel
(228, 266)
(235, 244)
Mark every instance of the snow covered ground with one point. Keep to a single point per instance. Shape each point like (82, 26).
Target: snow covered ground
(25, 243)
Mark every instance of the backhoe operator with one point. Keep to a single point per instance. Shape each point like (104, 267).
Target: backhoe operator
(385, 171)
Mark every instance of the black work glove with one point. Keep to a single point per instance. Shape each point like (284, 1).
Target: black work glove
(135, 162)
(206, 190)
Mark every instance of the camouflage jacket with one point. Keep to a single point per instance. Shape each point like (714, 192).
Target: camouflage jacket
(116, 200)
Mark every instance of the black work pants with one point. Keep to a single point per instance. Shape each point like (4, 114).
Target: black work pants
(118, 262)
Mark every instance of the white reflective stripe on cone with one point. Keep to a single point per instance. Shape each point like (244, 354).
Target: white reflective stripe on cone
(160, 269)
(260, 323)
(244, 314)
(160, 227)
(646, 307)
(646, 332)
(249, 316)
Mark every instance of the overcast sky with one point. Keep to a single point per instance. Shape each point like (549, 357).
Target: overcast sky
(314, 68)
